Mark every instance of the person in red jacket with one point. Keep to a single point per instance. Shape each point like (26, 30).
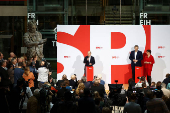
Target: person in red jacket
(148, 64)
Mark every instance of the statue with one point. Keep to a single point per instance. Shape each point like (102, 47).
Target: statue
(33, 41)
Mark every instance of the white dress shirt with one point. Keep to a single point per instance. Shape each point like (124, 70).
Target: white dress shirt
(89, 58)
(135, 55)
(43, 74)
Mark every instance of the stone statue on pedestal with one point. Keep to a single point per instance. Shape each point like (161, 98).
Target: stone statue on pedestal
(33, 41)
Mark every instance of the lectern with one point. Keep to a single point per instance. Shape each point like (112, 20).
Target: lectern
(89, 73)
(138, 73)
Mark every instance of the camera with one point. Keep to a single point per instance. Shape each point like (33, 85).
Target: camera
(134, 91)
(138, 77)
(47, 64)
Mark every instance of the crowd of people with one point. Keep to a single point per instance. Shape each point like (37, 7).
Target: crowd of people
(26, 86)
(147, 98)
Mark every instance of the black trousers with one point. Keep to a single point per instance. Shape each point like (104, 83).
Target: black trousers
(149, 80)
(133, 72)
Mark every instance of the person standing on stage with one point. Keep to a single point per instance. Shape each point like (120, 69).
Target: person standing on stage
(135, 57)
(148, 64)
(89, 60)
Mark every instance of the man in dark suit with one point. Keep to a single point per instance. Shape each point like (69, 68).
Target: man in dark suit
(136, 57)
(98, 87)
(5, 80)
(84, 80)
(88, 60)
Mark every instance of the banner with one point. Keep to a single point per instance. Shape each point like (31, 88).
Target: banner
(111, 46)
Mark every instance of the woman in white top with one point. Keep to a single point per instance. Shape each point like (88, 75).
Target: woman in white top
(141, 81)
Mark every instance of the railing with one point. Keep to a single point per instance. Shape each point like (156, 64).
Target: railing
(157, 2)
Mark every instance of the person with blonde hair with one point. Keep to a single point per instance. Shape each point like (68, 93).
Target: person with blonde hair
(99, 76)
(81, 86)
(29, 76)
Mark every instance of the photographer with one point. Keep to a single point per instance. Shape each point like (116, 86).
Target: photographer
(19, 96)
(141, 81)
(42, 74)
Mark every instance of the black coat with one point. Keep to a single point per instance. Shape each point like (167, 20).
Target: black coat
(73, 83)
(92, 60)
(100, 89)
(87, 84)
(5, 81)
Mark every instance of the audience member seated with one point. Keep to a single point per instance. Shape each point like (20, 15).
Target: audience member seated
(165, 91)
(29, 76)
(98, 87)
(97, 105)
(158, 85)
(61, 91)
(131, 84)
(106, 110)
(33, 104)
(66, 106)
(42, 74)
(86, 104)
(18, 72)
(155, 105)
(64, 77)
(145, 89)
(84, 80)
(81, 86)
(142, 80)
(153, 85)
(132, 107)
(99, 76)
(5, 79)
(97, 96)
(167, 79)
(11, 72)
(67, 84)
(73, 81)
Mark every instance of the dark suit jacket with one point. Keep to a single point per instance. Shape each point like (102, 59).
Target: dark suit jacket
(73, 84)
(87, 84)
(37, 65)
(33, 70)
(100, 89)
(5, 81)
(139, 57)
(59, 83)
(92, 60)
